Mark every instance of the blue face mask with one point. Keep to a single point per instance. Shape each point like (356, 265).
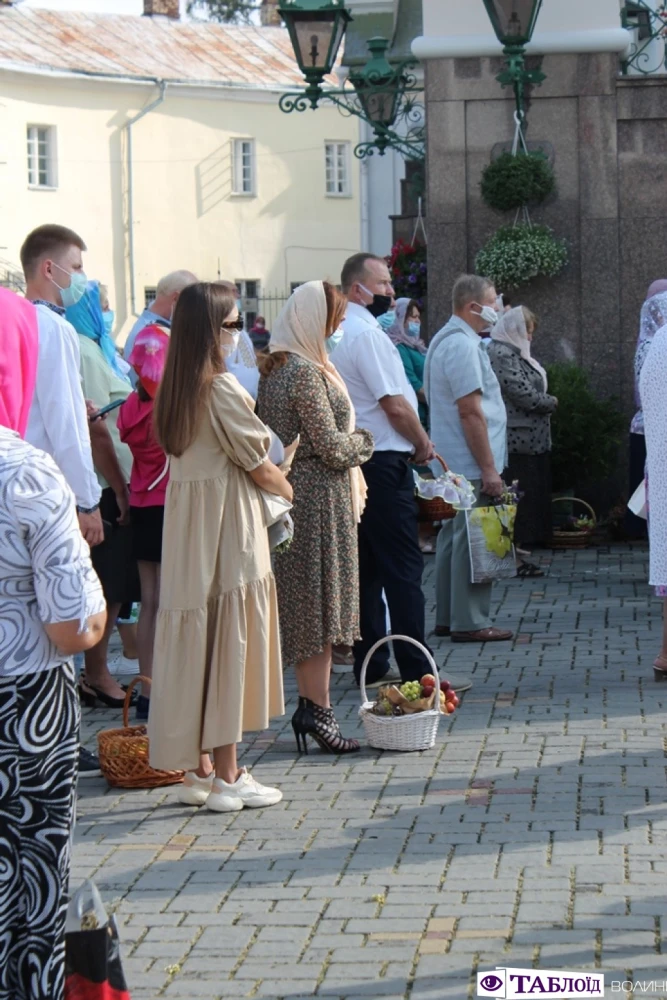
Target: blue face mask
(76, 289)
(387, 319)
(414, 329)
(109, 316)
(332, 342)
(239, 305)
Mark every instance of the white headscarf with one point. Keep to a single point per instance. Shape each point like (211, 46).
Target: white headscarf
(511, 329)
(300, 329)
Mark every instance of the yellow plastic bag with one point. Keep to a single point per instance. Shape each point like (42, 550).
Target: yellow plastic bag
(491, 543)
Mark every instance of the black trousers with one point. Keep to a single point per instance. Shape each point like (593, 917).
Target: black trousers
(635, 527)
(390, 560)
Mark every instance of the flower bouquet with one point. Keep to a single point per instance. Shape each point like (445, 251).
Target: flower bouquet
(439, 499)
(491, 537)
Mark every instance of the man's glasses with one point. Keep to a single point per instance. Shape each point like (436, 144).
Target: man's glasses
(234, 324)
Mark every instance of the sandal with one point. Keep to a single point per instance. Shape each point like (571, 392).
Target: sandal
(528, 569)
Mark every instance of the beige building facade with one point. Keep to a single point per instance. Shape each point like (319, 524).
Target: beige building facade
(212, 177)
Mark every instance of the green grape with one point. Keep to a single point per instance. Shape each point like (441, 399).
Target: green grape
(411, 690)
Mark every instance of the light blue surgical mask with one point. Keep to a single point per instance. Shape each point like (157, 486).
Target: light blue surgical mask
(108, 318)
(414, 329)
(76, 289)
(332, 342)
(387, 319)
(239, 305)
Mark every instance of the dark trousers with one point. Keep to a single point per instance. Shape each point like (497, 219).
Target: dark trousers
(390, 560)
(635, 527)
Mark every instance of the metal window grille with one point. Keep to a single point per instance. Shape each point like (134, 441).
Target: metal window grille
(647, 22)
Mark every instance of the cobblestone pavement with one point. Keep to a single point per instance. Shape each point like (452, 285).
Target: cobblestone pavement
(533, 835)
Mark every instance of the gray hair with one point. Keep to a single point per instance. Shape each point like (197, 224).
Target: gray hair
(176, 281)
(469, 288)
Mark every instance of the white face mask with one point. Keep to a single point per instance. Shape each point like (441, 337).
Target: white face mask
(228, 349)
(488, 314)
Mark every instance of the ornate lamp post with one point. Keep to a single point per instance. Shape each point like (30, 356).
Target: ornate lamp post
(514, 22)
(381, 94)
(316, 29)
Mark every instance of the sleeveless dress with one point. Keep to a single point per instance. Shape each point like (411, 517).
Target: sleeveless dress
(217, 665)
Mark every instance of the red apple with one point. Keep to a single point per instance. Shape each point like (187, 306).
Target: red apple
(449, 708)
(428, 683)
(456, 700)
(445, 686)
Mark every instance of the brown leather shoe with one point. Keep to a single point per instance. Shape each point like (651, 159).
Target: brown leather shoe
(483, 635)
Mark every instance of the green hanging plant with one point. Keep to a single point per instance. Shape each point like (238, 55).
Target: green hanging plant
(516, 254)
(510, 182)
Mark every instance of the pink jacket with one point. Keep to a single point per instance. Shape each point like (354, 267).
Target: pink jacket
(135, 424)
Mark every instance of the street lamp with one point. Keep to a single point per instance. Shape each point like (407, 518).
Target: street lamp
(381, 94)
(316, 29)
(514, 22)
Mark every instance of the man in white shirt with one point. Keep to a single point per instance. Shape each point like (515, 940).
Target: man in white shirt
(469, 428)
(58, 421)
(385, 404)
(160, 310)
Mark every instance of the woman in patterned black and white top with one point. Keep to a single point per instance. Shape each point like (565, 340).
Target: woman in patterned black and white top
(51, 606)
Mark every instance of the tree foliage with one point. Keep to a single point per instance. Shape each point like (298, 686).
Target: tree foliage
(226, 11)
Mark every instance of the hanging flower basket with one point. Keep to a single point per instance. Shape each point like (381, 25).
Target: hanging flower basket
(407, 265)
(510, 182)
(516, 254)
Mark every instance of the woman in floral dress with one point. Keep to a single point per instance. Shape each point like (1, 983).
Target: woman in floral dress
(301, 394)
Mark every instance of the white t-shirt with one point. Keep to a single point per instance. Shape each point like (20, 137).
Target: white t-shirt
(58, 421)
(372, 368)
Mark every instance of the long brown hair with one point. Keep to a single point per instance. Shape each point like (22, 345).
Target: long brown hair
(193, 361)
(336, 306)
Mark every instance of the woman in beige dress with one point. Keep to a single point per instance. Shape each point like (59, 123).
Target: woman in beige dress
(217, 665)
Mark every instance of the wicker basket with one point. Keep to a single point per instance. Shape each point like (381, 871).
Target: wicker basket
(573, 539)
(436, 509)
(123, 754)
(399, 732)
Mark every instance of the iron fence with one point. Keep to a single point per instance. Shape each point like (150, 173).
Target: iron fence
(268, 305)
(647, 22)
(11, 277)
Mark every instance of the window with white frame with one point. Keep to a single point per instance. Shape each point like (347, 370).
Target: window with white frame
(249, 295)
(243, 167)
(337, 167)
(41, 156)
(150, 295)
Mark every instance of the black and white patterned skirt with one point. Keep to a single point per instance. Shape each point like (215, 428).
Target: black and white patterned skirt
(39, 746)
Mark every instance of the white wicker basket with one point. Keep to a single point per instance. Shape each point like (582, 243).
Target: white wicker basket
(399, 732)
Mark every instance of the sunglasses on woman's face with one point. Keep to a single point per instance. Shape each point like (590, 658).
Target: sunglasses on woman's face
(234, 324)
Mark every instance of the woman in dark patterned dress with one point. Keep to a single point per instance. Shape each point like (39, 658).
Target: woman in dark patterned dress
(523, 383)
(301, 393)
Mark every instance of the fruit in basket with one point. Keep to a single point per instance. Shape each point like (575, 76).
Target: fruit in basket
(445, 686)
(455, 700)
(427, 684)
(411, 690)
(384, 707)
(449, 707)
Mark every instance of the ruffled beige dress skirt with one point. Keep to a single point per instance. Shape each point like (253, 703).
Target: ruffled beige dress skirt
(217, 670)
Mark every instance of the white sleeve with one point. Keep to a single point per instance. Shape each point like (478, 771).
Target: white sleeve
(380, 366)
(63, 409)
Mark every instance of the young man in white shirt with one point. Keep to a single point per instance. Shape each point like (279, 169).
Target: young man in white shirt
(58, 422)
(469, 427)
(385, 404)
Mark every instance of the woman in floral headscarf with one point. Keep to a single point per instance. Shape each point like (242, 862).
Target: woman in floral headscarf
(148, 488)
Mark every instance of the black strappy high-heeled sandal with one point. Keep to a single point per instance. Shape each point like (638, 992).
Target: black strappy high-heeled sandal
(320, 723)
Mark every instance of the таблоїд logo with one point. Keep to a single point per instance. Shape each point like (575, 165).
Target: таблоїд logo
(515, 984)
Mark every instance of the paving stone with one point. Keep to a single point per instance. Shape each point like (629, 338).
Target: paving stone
(539, 815)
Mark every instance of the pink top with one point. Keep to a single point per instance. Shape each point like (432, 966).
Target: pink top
(135, 423)
(18, 359)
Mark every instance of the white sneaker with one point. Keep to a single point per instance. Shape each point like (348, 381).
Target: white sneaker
(121, 666)
(245, 791)
(195, 790)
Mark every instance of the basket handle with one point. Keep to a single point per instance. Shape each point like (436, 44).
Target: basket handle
(393, 638)
(128, 695)
(445, 467)
(578, 500)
